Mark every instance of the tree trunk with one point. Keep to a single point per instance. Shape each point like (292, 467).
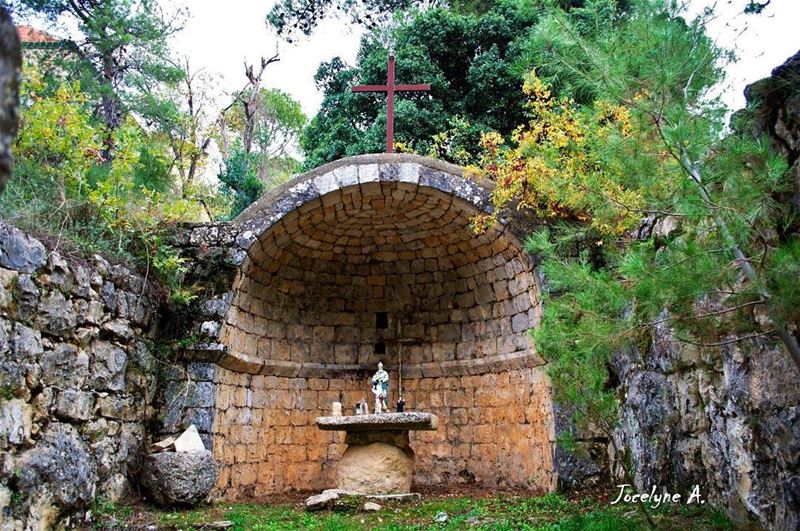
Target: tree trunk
(10, 69)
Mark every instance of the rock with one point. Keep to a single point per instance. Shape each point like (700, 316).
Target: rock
(115, 407)
(94, 312)
(179, 479)
(322, 501)
(72, 404)
(61, 462)
(210, 329)
(217, 307)
(114, 488)
(15, 422)
(65, 366)
(162, 446)
(219, 524)
(441, 517)
(20, 252)
(371, 506)
(189, 441)
(119, 328)
(56, 314)
(108, 366)
(8, 278)
(377, 468)
(26, 345)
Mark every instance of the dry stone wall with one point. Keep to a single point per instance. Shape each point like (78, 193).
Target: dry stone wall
(76, 382)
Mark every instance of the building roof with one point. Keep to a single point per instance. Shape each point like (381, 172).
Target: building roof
(30, 34)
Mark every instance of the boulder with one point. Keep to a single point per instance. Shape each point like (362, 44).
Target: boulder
(377, 468)
(173, 479)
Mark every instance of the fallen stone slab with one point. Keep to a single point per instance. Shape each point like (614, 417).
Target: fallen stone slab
(331, 499)
(410, 496)
(179, 479)
(371, 506)
(162, 446)
(322, 501)
(189, 441)
(221, 524)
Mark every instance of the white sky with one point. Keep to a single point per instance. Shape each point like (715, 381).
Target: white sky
(220, 35)
(219, 39)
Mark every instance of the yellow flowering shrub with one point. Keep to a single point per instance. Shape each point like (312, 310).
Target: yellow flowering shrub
(556, 165)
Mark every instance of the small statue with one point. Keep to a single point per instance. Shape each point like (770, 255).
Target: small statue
(380, 388)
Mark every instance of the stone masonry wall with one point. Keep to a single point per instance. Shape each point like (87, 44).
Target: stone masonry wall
(76, 382)
(367, 259)
(495, 430)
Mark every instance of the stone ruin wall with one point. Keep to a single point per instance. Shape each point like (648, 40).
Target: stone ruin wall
(77, 382)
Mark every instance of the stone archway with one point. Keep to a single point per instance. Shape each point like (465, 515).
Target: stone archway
(369, 259)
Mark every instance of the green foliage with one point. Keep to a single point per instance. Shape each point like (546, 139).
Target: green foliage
(123, 61)
(276, 120)
(64, 188)
(241, 179)
(724, 251)
(470, 60)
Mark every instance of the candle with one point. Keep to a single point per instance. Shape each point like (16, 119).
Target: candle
(337, 409)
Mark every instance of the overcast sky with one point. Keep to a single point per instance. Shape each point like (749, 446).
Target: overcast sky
(220, 39)
(220, 35)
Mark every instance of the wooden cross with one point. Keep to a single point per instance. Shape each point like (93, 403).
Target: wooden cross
(390, 88)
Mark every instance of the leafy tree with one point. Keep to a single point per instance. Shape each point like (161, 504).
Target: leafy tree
(125, 43)
(289, 17)
(256, 133)
(65, 187)
(471, 62)
(186, 121)
(721, 265)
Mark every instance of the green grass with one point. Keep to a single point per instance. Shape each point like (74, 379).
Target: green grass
(502, 512)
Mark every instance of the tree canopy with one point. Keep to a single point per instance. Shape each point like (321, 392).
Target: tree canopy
(474, 63)
(125, 46)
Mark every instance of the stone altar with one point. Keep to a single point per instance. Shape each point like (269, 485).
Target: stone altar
(378, 458)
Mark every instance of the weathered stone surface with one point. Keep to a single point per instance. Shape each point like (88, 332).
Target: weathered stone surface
(174, 479)
(65, 366)
(19, 251)
(56, 314)
(60, 464)
(74, 426)
(15, 423)
(108, 366)
(74, 405)
(378, 468)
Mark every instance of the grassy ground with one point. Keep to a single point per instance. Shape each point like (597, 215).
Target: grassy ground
(497, 512)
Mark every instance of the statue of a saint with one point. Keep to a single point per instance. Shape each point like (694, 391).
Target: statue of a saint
(380, 388)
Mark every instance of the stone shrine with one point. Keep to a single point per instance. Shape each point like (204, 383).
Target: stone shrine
(366, 259)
